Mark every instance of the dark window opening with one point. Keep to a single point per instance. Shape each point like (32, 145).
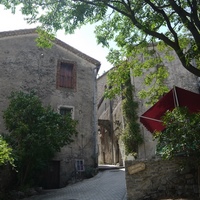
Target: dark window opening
(66, 111)
(79, 164)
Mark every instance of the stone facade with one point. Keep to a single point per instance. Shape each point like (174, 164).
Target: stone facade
(160, 179)
(110, 121)
(111, 111)
(146, 177)
(178, 76)
(24, 66)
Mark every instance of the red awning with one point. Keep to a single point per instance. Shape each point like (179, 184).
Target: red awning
(151, 119)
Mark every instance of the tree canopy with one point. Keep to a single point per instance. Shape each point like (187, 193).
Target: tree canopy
(127, 22)
(36, 134)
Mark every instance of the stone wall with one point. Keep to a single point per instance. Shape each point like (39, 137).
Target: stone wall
(178, 76)
(25, 67)
(156, 178)
(111, 147)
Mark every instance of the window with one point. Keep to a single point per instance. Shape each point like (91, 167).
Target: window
(66, 75)
(63, 110)
(79, 165)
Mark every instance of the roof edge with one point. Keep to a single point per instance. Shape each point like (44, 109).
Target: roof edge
(19, 32)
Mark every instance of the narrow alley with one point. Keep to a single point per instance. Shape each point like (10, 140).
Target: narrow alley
(106, 185)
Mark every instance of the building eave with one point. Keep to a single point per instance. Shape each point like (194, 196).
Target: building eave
(21, 32)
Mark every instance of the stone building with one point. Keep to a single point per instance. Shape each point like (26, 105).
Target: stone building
(110, 123)
(110, 115)
(24, 66)
(178, 76)
(159, 182)
(147, 176)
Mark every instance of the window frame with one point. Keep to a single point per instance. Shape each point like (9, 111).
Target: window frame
(58, 75)
(66, 107)
(79, 167)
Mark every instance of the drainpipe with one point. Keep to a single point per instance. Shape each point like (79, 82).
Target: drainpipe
(123, 127)
(111, 129)
(95, 153)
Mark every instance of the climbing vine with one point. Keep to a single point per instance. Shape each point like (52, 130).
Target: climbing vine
(131, 135)
(119, 83)
(149, 67)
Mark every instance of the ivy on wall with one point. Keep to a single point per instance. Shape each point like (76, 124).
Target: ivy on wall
(119, 83)
(131, 135)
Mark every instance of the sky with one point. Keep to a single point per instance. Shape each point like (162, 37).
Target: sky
(83, 39)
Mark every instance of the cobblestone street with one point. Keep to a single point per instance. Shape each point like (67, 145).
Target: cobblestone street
(106, 185)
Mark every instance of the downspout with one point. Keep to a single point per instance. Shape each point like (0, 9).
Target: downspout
(111, 129)
(95, 123)
(123, 127)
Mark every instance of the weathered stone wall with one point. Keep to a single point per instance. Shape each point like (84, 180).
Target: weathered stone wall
(178, 76)
(24, 66)
(156, 178)
(111, 148)
(101, 84)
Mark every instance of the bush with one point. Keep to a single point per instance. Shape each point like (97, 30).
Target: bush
(36, 134)
(181, 136)
(5, 153)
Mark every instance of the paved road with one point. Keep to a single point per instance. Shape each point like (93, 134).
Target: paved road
(106, 185)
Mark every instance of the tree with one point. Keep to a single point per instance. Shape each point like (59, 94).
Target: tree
(36, 133)
(132, 25)
(149, 66)
(181, 136)
(127, 22)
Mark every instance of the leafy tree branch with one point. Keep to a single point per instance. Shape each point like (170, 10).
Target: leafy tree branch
(168, 21)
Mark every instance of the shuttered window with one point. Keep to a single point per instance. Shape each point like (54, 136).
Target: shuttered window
(66, 75)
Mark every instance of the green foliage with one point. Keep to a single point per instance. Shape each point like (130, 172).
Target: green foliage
(135, 23)
(181, 136)
(127, 23)
(131, 135)
(44, 39)
(148, 66)
(117, 77)
(5, 153)
(36, 134)
(119, 83)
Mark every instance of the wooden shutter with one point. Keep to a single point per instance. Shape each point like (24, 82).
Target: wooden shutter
(66, 75)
